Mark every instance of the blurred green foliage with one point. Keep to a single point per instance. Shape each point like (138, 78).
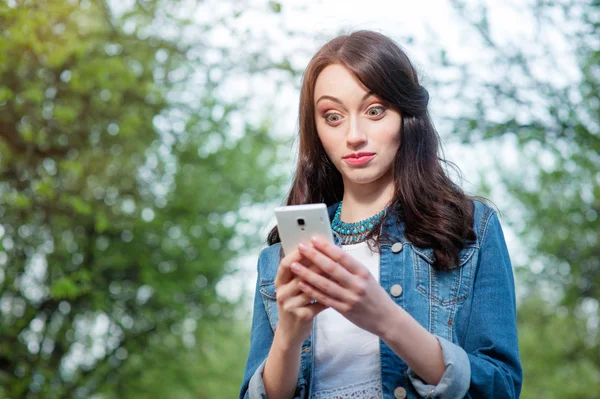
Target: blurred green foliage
(119, 202)
(556, 187)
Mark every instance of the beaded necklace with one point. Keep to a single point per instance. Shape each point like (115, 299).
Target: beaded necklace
(353, 233)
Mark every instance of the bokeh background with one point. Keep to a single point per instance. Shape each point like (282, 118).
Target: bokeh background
(144, 143)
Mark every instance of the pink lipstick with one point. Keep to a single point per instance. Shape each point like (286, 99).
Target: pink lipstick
(359, 158)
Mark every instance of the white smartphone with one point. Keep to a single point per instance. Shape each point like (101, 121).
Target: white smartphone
(299, 223)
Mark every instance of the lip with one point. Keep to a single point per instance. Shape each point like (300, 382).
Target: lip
(359, 158)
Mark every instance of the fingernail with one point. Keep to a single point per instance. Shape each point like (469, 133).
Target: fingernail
(302, 247)
(295, 267)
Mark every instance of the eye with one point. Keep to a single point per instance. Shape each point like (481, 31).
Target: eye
(376, 111)
(333, 118)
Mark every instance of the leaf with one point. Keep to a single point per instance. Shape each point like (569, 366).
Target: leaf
(18, 200)
(64, 288)
(5, 94)
(64, 114)
(44, 189)
(275, 6)
(77, 204)
(102, 223)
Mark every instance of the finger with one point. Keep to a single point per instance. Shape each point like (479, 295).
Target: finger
(338, 255)
(329, 266)
(309, 312)
(297, 301)
(284, 275)
(287, 290)
(323, 284)
(324, 299)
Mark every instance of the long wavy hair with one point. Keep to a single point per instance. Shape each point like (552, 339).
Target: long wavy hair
(436, 212)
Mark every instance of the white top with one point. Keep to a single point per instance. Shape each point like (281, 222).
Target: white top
(347, 361)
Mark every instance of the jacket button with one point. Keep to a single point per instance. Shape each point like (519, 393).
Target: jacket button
(399, 393)
(397, 247)
(396, 290)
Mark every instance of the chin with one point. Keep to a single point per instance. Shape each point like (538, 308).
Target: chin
(363, 179)
(367, 176)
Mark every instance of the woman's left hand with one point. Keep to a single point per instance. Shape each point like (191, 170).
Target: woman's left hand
(347, 286)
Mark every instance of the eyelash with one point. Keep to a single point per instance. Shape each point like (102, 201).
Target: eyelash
(381, 107)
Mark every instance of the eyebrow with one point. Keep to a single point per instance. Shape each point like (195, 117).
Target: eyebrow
(336, 100)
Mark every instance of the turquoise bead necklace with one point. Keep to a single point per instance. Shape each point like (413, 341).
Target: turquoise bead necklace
(353, 233)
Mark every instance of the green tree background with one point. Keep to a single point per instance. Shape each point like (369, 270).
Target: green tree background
(121, 185)
(132, 183)
(548, 103)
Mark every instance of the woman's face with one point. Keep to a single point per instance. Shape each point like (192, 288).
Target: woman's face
(359, 131)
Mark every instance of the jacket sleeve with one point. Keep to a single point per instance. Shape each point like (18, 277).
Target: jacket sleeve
(491, 341)
(261, 338)
(487, 365)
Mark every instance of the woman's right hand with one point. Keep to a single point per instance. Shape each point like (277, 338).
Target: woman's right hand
(296, 311)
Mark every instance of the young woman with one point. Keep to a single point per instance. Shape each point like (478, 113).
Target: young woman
(417, 298)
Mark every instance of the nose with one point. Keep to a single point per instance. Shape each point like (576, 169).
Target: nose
(356, 136)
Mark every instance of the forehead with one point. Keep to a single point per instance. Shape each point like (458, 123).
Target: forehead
(336, 80)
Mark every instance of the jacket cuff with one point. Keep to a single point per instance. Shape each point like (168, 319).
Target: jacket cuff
(456, 379)
(256, 387)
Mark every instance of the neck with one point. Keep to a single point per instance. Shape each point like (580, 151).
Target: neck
(361, 201)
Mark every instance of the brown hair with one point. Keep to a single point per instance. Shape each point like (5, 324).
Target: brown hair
(436, 212)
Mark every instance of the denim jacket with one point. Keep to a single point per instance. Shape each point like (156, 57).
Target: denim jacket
(470, 310)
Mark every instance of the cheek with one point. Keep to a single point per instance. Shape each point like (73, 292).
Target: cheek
(328, 142)
(392, 135)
